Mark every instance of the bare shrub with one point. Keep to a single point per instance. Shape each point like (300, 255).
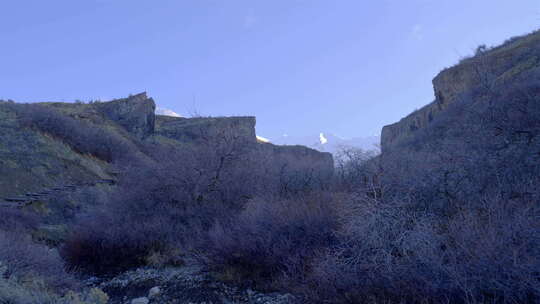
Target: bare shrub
(390, 253)
(24, 259)
(102, 245)
(158, 209)
(270, 240)
(357, 170)
(457, 221)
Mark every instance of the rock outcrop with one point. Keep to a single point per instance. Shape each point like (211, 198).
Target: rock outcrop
(488, 70)
(241, 130)
(300, 158)
(35, 158)
(135, 113)
(195, 129)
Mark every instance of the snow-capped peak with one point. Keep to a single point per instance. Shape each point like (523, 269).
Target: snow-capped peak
(262, 139)
(166, 112)
(322, 139)
(328, 142)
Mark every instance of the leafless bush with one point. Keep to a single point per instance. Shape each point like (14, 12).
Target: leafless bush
(101, 244)
(159, 206)
(492, 148)
(25, 259)
(357, 170)
(271, 240)
(390, 253)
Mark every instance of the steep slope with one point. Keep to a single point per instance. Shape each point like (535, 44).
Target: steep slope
(50, 144)
(31, 160)
(479, 138)
(489, 71)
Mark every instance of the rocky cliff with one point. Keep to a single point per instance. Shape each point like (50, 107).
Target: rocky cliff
(241, 131)
(194, 129)
(48, 144)
(135, 113)
(487, 71)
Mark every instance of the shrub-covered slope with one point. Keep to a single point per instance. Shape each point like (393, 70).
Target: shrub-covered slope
(50, 144)
(488, 72)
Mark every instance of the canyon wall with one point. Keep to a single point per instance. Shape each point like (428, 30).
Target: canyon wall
(488, 71)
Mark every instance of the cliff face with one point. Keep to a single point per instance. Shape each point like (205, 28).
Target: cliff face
(487, 71)
(194, 129)
(299, 158)
(47, 144)
(135, 113)
(241, 130)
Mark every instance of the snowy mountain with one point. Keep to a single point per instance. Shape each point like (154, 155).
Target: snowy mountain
(327, 142)
(166, 112)
(324, 142)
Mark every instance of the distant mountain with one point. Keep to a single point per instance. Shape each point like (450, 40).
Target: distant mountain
(166, 112)
(327, 142)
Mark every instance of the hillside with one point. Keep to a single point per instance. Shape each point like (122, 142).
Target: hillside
(480, 136)
(52, 144)
(33, 160)
(489, 71)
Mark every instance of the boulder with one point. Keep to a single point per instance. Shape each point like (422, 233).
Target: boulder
(154, 291)
(142, 300)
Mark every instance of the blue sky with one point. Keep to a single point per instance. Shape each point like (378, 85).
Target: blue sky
(301, 67)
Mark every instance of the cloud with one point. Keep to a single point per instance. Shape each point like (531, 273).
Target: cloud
(418, 31)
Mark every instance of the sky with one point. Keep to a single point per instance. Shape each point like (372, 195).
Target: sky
(301, 67)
